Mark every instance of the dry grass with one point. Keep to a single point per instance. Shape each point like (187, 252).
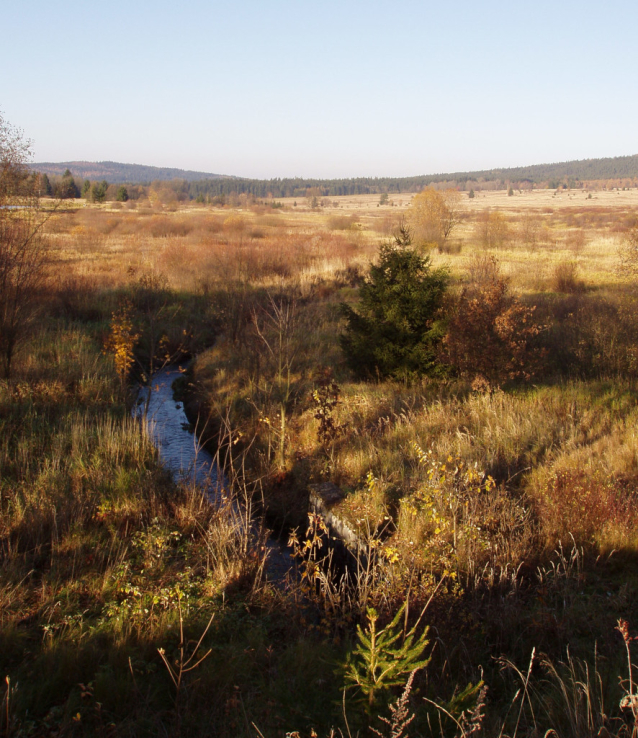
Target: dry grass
(455, 491)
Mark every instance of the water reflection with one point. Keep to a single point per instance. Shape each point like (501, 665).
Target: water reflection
(183, 455)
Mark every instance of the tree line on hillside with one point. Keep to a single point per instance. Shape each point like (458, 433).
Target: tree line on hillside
(572, 174)
(618, 172)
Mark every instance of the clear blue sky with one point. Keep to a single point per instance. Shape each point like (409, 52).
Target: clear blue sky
(322, 89)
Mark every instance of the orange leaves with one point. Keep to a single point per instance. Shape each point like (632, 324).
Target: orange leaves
(491, 334)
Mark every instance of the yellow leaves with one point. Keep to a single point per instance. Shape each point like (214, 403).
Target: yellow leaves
(371, 481)
(391, 554)
(121, 340)
(434, 214)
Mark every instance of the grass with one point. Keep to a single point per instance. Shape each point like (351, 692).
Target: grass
(507, 513)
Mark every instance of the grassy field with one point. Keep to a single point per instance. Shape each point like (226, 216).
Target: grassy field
(502, 511)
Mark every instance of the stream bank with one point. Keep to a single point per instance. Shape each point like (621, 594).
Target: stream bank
(188, 460)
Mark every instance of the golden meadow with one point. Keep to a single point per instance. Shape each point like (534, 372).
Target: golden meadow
(502, 511)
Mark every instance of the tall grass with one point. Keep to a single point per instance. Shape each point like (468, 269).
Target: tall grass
(504, 516)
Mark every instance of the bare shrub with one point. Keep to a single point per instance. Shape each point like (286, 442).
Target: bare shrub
(208, 224)
(175, 257)
(530, 231)
(482, 270)
(565, 278)
(492, 230)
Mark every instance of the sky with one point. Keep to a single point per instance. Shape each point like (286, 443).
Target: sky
(321, 89)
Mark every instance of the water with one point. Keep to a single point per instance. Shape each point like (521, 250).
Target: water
(187, 460)
(169, 428)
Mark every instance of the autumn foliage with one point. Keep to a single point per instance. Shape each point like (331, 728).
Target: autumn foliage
(122, 340)
(490, 336)
(433, 216)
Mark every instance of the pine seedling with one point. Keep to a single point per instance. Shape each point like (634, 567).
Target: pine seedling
(382, 658)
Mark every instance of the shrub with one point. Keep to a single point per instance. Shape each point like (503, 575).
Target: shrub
(589, 504)
(490, 333)
(566, 278)
(492, 230)
(397, 329)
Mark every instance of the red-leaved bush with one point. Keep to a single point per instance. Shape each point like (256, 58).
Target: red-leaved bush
(490, 335)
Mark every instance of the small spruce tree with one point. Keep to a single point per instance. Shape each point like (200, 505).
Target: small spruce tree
(45, 186)
(67, 189)
(398, 325)
(98, 191)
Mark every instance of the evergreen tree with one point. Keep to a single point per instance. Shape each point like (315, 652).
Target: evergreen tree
(397, 328)
(86, 189)
(45, 186)
(122, 194)
(98, 191)
(67, 189)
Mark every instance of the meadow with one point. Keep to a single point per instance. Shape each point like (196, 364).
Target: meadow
(494, 509)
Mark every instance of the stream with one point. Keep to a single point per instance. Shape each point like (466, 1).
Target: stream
(187, 460)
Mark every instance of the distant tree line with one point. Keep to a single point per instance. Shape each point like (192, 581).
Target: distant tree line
(569, 173)
(618, 172)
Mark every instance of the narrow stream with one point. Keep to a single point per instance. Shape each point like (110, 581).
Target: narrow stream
(183, 455)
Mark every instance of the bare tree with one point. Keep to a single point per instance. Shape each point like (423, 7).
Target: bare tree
(15, 151)
(23, 249)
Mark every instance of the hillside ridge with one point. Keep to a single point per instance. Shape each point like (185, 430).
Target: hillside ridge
(551, 175)
(121, 173)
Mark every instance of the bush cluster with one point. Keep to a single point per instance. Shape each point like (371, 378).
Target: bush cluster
(404, 327)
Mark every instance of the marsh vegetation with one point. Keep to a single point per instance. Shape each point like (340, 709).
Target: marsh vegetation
(491, 487)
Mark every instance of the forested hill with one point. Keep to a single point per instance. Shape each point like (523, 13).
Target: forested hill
(202, 184)
(617, 167)
(114, 171)
(549, 175)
